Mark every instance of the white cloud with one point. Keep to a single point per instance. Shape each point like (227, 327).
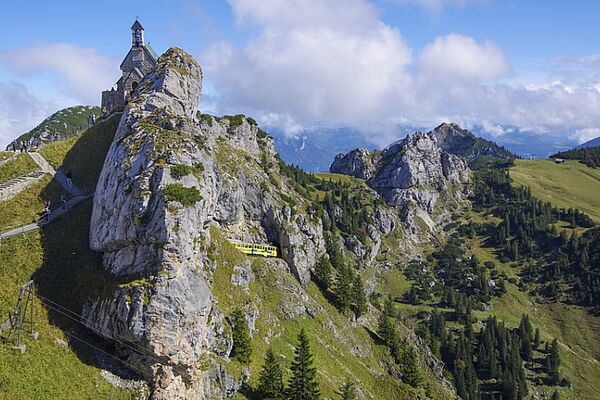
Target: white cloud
(19, 111)
(329, 60)
(80, 73)
(455, 57)
(290, 127)
(348, 15)
(587, 134)
(334, 62)
(436, 6)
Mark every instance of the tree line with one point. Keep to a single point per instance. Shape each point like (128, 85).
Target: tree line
(589, 156)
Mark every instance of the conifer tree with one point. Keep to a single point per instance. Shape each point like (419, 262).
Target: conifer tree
(537, 340)
(553, 363)
(525, 338)
(360, 299)
(323, 273)
(347, 391)
(409, 367)
(386, 329)
(303, 383)
(386, 326)
(343, 288)
(242, 346)
(270, 381)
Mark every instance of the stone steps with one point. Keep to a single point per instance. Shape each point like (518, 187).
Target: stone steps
(15, 186)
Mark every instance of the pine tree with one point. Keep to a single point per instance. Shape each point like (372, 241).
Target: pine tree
(409, 367)
(553, 363)
(537, 340)
(347, 391)
(525, 339)
(360, 299)
(386, 326)
(242, 346)
(303, 384)
(323, 273)
(270, 381)
(343, 288)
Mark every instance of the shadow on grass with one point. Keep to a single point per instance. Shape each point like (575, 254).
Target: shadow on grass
(71, 272)
(86, 158)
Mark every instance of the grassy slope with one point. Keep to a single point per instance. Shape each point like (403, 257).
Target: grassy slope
(60, 262)
(332, 358)
(571, 184)
(49, 370)
(27, 206)
(577, 331)
(21, 165)
(83, 154)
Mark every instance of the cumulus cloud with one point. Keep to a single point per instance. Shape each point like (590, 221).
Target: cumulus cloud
(456, 57)
(308, 58)
(334, 62)
(19, 111)
(587, 134)
(80, 73)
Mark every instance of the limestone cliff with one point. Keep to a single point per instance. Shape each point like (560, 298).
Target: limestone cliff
(167, 177)
(414, 175)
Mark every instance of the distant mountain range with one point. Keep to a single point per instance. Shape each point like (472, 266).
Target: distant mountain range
(590, 143)
(315, 150)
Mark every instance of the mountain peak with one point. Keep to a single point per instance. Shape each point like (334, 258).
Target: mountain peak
(176, 82)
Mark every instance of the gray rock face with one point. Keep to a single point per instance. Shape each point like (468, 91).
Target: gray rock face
(154, 239)
(358, 163)
(411, 175)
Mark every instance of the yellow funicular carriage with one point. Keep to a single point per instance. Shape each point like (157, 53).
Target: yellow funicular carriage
(255, 249)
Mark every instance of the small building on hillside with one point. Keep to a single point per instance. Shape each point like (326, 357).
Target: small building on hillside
(559, 160)
(137, 63)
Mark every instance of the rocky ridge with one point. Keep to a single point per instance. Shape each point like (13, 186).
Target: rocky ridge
(455, 140)
(415, 176)
(59, 125)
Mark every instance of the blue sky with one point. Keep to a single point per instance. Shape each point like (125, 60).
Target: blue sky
(501, 65)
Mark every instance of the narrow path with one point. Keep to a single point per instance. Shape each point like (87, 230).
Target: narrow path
(60, 177)
(570, 350)
(53, 215)
(22, 182)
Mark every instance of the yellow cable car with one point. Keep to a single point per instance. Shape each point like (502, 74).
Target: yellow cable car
(255, 249)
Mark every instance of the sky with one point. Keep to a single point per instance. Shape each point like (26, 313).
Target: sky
(499, 66)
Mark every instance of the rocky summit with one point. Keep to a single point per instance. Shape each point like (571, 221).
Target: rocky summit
(167, 178)
(415, 176)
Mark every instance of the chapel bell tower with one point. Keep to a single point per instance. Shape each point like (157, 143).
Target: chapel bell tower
(137, 34)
